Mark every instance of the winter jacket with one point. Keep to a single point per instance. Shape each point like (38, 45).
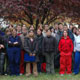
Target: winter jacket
(2, 42)
(30, 47)
(49, 44)
(22, 40)
(66, 45)
(77, 43)
(11, 41)
(71, 35)
(39, 39)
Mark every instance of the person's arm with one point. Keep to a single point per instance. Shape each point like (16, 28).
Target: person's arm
(43, 44)
(26, 46)
(72, 46)
(36, 47)
(55, 45)
(18, 43)
(60, 45)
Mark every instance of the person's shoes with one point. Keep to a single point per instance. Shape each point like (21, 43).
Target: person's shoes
(69, 74)
(36, 74)
(75, 73)
(61, 74)
(21, 74)
(5, 74)
(28, 74)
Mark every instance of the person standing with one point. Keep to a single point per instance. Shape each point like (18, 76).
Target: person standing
(49, 50)
(14, 51)
(2, 54)
(39, 39)
(6, 37)
(22, 36)
(66, 49)
(77, 52)
(30, 47)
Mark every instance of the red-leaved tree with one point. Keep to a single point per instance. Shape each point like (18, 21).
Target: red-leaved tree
(39, 11)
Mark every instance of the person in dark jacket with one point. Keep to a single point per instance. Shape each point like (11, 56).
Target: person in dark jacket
(2, 54)
(14, 51)
(39, 39)
(30, 47)
(6, 37)
(49, 50)
(22, 36)
(60, 31)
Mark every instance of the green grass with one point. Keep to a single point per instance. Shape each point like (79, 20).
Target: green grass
(42, 76)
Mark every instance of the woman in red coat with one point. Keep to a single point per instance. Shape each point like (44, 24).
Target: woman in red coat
(65, 48)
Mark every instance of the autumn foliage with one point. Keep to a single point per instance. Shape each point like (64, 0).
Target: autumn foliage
(40, 11)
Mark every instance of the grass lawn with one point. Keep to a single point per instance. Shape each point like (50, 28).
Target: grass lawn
(42, 76)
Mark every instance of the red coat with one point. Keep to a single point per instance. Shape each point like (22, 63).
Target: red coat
(65, 46)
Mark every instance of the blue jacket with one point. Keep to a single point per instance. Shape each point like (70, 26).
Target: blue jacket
(14, 39)
(2, 33)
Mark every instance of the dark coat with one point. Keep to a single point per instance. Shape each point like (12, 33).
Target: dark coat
(71, 35)
(14, 39)
(30, 47)
(39, 39)
(49, 44)
(2, 41)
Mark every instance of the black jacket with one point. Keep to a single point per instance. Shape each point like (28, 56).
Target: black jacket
(49, 44)
(2, 42)
(39, 39)
(30, 47)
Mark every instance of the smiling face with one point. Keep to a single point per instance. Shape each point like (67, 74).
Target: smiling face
(14, 32)
(39, 32)
(48, 33)
(18, 28)
(31, 34)
(78, 32)
(61, 27)
(65, 33)
(24, 30)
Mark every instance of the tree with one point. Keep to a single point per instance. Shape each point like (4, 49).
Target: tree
(39, 11)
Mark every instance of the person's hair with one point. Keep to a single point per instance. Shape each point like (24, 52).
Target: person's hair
(79, 26)
(60, 24)
(29, 32)
(66, 31)
(55, 23)
(73, 28)
(14, 29)
(65, 24)
(70, 25)
(11, 25)
(48, 30)
(7, 30)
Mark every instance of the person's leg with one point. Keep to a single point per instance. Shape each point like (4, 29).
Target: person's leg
(47, 56)
(76, 65)
(35, 69)
(7, 70)
(22, 62)
(69, 64)
(73, 57)
(39, 63)
(52, 71)
(11, 60)
(28, 72)
(17, 61)
(0, 63)
(2, 58)
(62, 64)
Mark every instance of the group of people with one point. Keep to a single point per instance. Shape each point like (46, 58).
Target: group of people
(26, 50)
